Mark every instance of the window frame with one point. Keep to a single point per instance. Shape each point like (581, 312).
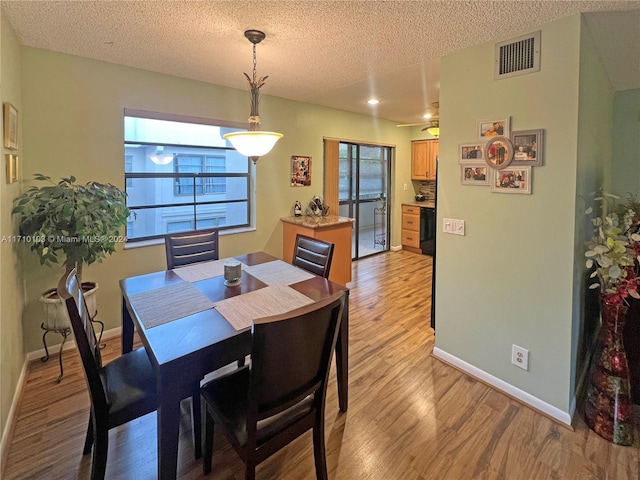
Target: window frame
(199, 180)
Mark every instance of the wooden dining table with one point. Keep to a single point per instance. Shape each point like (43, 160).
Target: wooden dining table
(180, 317)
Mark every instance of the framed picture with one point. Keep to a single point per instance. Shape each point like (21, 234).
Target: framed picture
(12, 168)
(527, 146)
(300, 171)
(498, 152)
(474, 174)
(511, 180)
(493, 128)
(470, 153)
(10, 124)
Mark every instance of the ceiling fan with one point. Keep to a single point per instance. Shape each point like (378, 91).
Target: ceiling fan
(432, 123)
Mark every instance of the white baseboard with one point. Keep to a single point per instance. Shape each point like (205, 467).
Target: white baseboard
(69, 344)
(395, 248)
(7, 432)
(544, 408)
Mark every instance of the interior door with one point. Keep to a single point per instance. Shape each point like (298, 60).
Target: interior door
(364, 186)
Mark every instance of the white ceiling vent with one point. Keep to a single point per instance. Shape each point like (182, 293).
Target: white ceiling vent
(518, 56)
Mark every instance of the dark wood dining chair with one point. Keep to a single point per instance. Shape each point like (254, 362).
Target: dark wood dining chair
(120, 391)
(313, 254)
(281, 393)
(185, 248)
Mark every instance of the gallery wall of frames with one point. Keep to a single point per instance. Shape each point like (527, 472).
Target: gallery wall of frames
(500, 158)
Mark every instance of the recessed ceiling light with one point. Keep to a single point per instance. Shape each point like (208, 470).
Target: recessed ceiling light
(426, 116)
(373, 101)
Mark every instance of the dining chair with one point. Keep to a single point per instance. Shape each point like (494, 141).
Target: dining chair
(313, 254)
(281, 392)
(185, 248)
(120, 391)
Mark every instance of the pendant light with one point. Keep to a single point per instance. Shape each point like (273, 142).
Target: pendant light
(255, 142)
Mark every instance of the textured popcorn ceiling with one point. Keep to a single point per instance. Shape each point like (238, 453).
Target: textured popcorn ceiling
(332, 53)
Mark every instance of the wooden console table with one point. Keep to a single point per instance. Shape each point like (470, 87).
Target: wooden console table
(331, 228)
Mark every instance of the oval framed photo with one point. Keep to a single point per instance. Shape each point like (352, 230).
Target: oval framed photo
(498, 152)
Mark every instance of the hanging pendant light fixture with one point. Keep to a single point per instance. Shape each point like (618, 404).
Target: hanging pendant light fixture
(255, 142)
(433, 128)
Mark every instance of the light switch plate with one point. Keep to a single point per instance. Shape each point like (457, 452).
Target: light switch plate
(453, 226)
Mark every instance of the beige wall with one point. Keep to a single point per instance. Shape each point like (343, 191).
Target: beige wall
(12, 353)
(73, 125)
(509, 280)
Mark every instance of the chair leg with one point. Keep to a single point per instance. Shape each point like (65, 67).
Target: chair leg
(207, 439)
(100, 449)
(250, 471)
(196, 423)
(319, 452)
(88, 441)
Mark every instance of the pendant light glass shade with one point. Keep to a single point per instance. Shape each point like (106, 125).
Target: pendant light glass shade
(435, 131)
(253, 144)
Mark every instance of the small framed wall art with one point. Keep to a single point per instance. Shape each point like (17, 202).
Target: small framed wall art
(498, 152)
(470, 153)
(527, 146)
(12, 168)
(300, 171)
(474, 174)
(493, 128)
(511, 180)
(10, 124)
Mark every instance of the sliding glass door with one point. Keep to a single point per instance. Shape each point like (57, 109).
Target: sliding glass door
(364, 185)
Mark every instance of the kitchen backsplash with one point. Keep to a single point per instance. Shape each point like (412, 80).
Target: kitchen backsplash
(428, 189)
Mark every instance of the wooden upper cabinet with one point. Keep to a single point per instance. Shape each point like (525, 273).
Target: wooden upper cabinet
(423, 159)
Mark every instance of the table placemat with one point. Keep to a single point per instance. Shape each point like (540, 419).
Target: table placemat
(202, 271)
(277, 271)
(241, 310)
(163, 305)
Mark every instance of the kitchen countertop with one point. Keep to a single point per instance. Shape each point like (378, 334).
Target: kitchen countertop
(426, 204)
(317, 222)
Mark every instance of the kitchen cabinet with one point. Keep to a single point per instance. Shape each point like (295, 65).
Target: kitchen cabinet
(331, 228)
(423, 159)
(411, 228)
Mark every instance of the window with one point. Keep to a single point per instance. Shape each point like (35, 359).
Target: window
(200, 164)
(182, 175)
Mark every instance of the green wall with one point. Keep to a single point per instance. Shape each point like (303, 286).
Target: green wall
(73, 125)
(509, 280)
(626, 143)
(594, 149)
(11, 277)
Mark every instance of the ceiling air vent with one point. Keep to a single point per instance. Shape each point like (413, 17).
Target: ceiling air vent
(518, 56)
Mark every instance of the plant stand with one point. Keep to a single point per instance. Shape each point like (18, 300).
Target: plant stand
(65, 332)
(57, 318)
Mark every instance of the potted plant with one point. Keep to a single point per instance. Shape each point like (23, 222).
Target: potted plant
(73, 224)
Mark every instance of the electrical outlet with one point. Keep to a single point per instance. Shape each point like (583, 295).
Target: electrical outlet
(520, 357)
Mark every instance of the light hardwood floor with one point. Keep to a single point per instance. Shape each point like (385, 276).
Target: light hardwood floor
(410, 416)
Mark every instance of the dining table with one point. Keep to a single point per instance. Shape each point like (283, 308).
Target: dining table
(191, 324)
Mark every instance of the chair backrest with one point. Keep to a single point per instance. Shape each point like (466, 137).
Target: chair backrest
(195, 246)
(290, 358)
(70, 291)
(313, 254)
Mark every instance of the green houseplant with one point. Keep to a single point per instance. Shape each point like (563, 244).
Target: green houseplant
(70, 223)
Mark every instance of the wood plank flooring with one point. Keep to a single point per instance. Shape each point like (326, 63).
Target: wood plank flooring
(410, 416)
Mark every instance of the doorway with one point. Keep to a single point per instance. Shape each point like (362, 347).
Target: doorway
(364, 178)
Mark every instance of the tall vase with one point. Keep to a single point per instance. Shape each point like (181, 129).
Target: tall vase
(609, 408)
